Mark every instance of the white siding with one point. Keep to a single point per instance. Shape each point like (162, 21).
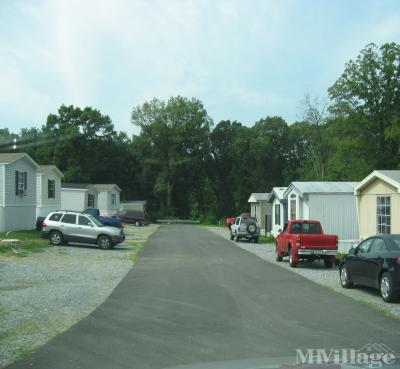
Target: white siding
(73, 199)
(44, 204)
(15, 218)
(104, 202)
(29, 199)
(44, 198)
(18, 212)
(337, 214)
(2, 174)
(281, 222)
(39, 185)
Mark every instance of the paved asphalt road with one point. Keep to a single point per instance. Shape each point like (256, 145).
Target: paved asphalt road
(195, 297)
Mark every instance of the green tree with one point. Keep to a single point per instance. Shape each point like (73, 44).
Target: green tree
(177, 136)
(369, 91)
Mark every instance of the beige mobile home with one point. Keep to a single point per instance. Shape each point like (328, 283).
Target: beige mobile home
(378, 203)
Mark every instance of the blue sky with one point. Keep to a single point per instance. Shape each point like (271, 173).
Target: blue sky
(244, 59)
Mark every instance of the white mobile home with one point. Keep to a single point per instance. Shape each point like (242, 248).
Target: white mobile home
(332, 203)
(17, 191)
(48, 189)
(279, 209)
(139, 205)
(78, 196)
(108, 198)
(260, 208)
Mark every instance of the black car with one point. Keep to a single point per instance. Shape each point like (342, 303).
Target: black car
(375, 262)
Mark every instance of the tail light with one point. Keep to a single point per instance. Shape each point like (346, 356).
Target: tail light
(337, 240)
(298, 239)
(398, 260)
(44, 225)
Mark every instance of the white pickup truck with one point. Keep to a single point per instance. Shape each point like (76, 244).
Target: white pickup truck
(245, 226)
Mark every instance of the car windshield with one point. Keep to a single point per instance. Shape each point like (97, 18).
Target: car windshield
(95, 221)
(396, 241)
(306, 228)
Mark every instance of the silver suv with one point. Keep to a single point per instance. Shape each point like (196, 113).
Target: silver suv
(72, 226)
(245, 226)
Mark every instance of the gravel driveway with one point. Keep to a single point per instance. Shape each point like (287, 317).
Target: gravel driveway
(46, 293)
(317, 273)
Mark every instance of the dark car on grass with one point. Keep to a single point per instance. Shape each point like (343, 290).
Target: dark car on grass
(375, 263)
(136, 217)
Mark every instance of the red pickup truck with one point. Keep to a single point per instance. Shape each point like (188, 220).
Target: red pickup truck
(304, 239)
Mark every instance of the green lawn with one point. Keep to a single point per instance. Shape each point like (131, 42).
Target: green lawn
(29, 242)
(265, 239)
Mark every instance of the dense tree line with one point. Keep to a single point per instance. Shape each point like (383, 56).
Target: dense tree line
(189, 167)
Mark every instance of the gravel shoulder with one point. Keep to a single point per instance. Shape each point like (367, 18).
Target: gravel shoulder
(317, 273)
(46, 293)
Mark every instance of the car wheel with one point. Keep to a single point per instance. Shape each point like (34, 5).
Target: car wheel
(345, 280)
(56, 238)
(236, 237)
(328, 262)
(292, 262)
(104, 242)
(386, 288)
(231, 235)
(277, 256)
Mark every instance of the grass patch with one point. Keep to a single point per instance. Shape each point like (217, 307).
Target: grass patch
(137, 247)
(22, 352)
(136, 251)
(29, 242)
(266, 239)
(381, 309)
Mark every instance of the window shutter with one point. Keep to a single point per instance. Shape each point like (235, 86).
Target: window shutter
(48, 188)
(16, 183)
(25, 181)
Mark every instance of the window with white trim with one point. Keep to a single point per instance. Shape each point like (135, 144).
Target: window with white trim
(293, 205)
(277, 214)
(90, 200)
(113, 199)
(383, 214)
(51, 189)
(21, 182)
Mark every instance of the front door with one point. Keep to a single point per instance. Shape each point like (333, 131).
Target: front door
(85, 230)
(68, 227)
(374, 261)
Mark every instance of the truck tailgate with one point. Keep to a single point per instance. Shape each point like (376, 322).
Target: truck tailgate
(318, 241)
